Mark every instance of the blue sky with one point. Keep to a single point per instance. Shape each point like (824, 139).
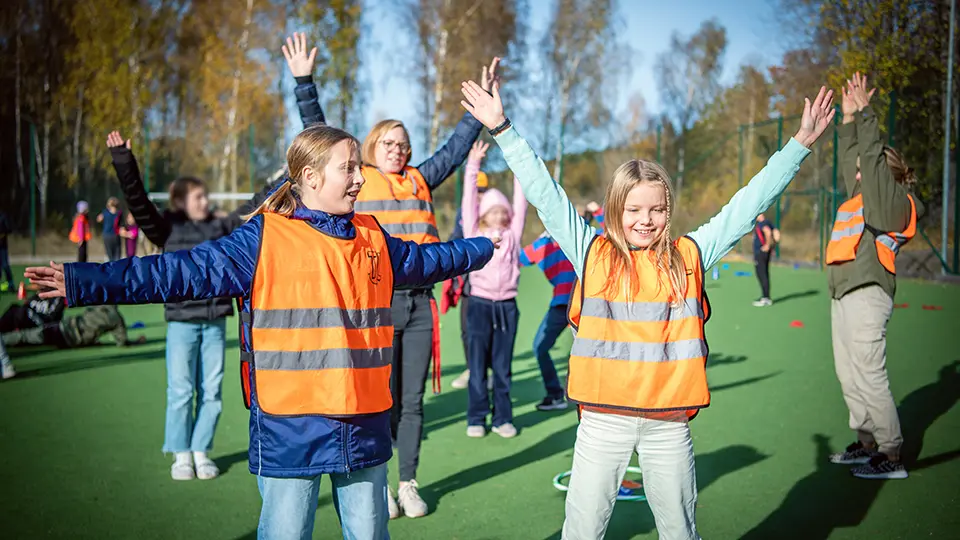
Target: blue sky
(647, 27)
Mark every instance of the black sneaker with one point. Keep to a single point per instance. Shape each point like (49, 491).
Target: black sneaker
(552, 404)
(880, 468)
(855, 454)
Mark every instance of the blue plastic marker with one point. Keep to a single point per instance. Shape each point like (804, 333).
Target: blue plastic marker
(716, 273)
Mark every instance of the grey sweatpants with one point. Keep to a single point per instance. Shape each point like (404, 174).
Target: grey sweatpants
(860, 357)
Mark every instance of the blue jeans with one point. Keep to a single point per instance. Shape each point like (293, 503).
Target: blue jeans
(554, 323)
(359, 497)
(490, 339)
(194, 365)
(5, 266)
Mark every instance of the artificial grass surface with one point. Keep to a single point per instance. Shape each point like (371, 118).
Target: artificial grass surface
(81, 430)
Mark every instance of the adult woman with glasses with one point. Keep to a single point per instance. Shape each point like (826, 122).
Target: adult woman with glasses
(399, 195)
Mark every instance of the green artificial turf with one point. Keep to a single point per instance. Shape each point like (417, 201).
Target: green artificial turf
(81, 431)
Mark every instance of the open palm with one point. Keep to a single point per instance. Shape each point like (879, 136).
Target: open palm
(487, 108)
(816, 117)
(299, 60)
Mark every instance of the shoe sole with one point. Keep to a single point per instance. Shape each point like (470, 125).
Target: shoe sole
(507, 436)
(857, 461)
(476, 435)
(895, 475)
(557, 407)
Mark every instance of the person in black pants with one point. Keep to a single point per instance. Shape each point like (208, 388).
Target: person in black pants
(762, 247)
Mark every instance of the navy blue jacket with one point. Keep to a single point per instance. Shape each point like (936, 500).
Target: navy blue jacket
(435, 169)
(282, 447)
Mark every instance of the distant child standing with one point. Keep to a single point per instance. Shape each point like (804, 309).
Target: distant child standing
(545, 252)
(131, 233)
(110, 219)
(492, 311)
(80, 231)
(763, 242)
(5, 230)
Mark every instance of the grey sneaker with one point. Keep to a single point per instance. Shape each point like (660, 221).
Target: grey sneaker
(507, 431)
(855, 454)
(408, 497)
(392, 504)
(880, 468)
(205, 467)
(182, 468)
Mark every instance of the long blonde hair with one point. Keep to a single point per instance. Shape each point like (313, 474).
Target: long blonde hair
(902, 173)
(663, 252)
(310, 148)
(369, 150)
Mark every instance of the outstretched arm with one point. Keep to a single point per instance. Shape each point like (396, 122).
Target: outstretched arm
(468, 203)
(417, 266)
(718, 236)
(154, 226)
(885, 203)
(519, 210)
(847, 139)
(218, 268)
(301, 63)
(445, 161)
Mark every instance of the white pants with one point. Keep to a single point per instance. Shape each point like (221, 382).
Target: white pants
(605, 444)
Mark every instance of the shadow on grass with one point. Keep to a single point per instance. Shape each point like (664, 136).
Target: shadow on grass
(225, 463)
(831, 498)
(795, 296)
(125, 356)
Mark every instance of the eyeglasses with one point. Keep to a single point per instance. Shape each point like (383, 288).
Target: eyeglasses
(401, 146)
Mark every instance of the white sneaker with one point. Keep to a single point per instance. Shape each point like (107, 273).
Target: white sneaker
(408, 497)
(392, 504)
(507, 431)
(476, 431)
(462, 380)
(763, 302)
(205, 467)
(7, 371)
(182, 468)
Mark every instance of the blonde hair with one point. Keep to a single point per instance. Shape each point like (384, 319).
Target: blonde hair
(310, 148)
(902, 173)
(663, 252)
(369, 151)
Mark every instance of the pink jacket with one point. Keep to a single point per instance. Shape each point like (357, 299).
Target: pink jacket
(499, 278)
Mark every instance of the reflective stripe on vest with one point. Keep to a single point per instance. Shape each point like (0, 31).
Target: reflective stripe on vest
(637, 351)
(321, 329)
(848, 230)
(402, 203)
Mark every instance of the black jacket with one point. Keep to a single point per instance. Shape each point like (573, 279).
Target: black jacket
(173, 231)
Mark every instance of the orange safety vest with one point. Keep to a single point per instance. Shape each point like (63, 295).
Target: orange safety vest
(402, 203)
(322, 334)
(636, 351)
(81, 229)
(848, 230)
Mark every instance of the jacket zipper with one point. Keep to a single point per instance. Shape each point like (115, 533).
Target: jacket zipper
(343, 446)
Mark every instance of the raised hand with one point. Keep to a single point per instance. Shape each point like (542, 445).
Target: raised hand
(485, 107)
(49, 280)
(478, 151)
(489, 75)
(593, 207)
(114, 140)
(858, 91)
(295, 51)
(816, 117)
(847, 105)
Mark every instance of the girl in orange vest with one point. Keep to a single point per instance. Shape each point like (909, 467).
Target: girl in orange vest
(637, 367)
(316, 282)
(871, 226)
(80, 231)
(400, 196)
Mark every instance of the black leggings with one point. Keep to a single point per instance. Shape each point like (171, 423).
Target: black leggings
(762, 263)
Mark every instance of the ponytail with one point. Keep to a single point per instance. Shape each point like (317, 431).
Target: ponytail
(282, 201)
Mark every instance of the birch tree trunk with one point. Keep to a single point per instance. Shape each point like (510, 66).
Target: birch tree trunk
(229, 147)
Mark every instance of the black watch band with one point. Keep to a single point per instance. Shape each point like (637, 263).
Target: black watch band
(499, 129)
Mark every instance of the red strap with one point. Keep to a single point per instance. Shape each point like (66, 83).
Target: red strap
(436, 346)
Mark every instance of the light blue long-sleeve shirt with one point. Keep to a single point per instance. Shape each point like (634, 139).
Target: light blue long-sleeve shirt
(715, 238)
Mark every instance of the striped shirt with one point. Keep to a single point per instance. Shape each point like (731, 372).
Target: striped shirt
(545, 253)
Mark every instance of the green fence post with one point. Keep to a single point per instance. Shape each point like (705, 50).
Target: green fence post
(33, 190)
(740, 158)
(823, 221)
(659, 133)
(779, 145)
(458, 189)
(146, 157)
(250, 159)
(836, 156)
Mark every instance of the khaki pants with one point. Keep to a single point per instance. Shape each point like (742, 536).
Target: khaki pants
(860, 357)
